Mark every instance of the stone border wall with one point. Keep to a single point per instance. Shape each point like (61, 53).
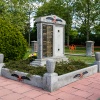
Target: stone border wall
(53, 82)
(69, 78)
(50, 80)
(35, 80)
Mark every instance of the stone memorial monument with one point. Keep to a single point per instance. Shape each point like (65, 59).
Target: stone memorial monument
(50, 39)
(89, 48)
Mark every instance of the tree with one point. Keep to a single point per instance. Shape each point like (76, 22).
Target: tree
(14, 12)
(97, 29)
(12, 43)
(13, 18)
(87, 13)
(73, 35)
(61, 8)
(17, 12)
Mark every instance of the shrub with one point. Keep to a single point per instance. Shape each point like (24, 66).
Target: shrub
(12, 43)
(61, 67)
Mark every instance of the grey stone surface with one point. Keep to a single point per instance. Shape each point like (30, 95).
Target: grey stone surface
(98, 64)
(89, 48)
(38, 62)
(50, 81)
(42, 62)
(1, 58)
(1, 65)
(97, 56)
(45, 20)
(39, 40)
(58, 35)
(68, 78)
(35, 80)
(34, 46)
(50, 65)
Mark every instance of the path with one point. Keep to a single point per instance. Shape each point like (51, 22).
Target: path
(84, 89)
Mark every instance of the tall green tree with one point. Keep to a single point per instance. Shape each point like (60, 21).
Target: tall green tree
(87, 13)
(61, 8)
(13, 18)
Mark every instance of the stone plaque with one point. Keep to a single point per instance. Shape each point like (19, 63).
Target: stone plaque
(47, 40)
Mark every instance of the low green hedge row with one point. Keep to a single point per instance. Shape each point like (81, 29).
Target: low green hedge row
(61, 67)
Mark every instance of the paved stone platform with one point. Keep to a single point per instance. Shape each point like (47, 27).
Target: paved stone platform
(84, 89)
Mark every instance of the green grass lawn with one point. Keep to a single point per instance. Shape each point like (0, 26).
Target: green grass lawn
(79, 50)
(86, 59)
(75, 63)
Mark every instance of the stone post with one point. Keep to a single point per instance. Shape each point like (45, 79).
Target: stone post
(1, 62)
(34, 46)
(50, 79)
(97, 57)
(89, 48)
(1, 58)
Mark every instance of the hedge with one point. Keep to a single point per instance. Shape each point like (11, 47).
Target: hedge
(12, 43)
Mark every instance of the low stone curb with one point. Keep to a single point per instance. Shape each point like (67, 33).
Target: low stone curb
(50, 81)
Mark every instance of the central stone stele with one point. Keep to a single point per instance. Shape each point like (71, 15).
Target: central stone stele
(50, 39)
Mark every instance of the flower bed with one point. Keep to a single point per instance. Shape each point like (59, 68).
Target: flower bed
(50, 81)
(61, 68)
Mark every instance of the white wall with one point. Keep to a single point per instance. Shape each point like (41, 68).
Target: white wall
(58, 40)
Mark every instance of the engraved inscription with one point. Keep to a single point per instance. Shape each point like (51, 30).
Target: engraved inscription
(47, 40)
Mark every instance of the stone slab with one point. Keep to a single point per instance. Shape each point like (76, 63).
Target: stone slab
(69, 78)
(35, 80)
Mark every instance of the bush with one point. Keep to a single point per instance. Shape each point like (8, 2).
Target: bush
(12, 43)
(61, 67)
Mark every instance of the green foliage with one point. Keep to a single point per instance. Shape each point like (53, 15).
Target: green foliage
(87, 12)
(61, 8)
(66, 67)
(55, 7)
(23, 66)
(97, 29)
(12, 43)
(33, 33)
(61, 67)
(73, 35)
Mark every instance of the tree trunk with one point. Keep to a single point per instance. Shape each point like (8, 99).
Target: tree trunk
(88, 21)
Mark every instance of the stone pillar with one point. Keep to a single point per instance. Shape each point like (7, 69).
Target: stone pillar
(97, 57)
(1, 62)
(39, 40)
(34, 46)
(89, 48)
(1, 58)
(50, 79)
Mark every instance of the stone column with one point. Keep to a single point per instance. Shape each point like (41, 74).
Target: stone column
(1, 58)
(97, 57)
(89, 48)
(39, 40)
(32, 46)
(1, 62)
(50, 79)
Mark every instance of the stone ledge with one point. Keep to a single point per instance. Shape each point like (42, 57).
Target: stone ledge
(51, 81)
(1, 65)
(35, 80)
